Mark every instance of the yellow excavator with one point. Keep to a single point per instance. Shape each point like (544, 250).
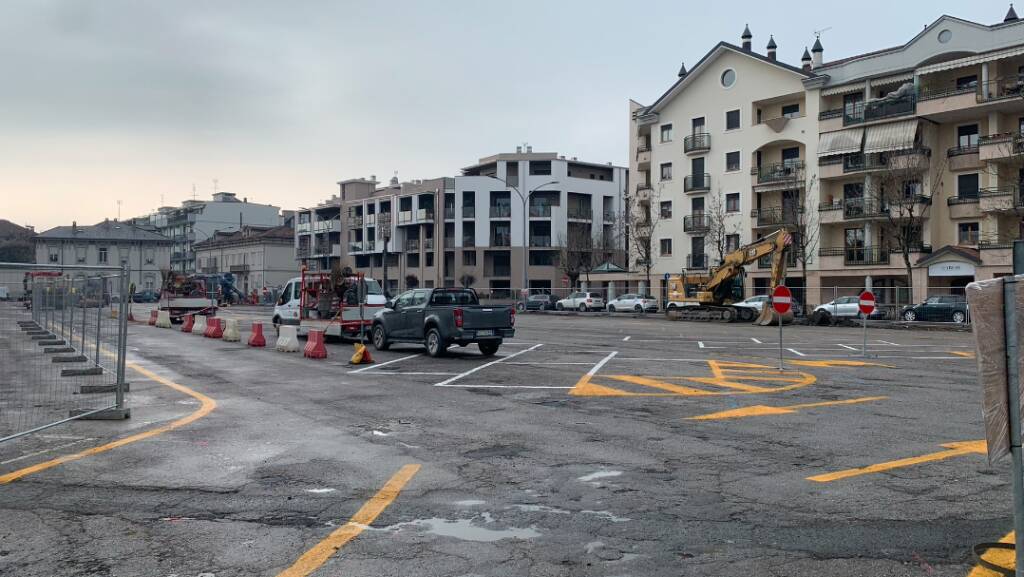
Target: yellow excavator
(711, 297)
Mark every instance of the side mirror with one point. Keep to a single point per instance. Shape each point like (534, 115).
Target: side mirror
(392, 304)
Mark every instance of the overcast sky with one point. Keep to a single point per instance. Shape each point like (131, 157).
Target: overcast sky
(137, 101)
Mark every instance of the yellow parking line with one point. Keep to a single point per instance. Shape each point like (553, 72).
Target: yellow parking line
(965, 354)
(764, 410)
(952, 450)
(1002, 557)
(207, 405)
(315, 557)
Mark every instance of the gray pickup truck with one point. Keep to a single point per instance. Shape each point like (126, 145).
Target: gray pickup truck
(441, 317)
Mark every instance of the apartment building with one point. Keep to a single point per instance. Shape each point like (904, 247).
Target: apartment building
(502, 223)
(109, 243)
(198, 220)
(913, 149)
(723, 157)
(259, 257)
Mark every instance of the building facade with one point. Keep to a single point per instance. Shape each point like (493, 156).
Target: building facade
(905, 155)
(197, 220)
(109, 243)
(258, 257)
(505, 222)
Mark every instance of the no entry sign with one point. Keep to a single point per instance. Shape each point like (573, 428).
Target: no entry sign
(782, 299)
(867, 302)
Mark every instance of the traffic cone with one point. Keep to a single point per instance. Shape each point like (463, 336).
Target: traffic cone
(362, 355)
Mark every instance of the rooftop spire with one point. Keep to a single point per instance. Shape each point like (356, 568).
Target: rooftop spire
(817, 45)
(747, 34)
(771, 42)
(806, 57)
(1011, 14)
(682, 69)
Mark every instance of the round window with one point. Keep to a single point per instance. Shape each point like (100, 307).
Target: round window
(945, 36)
(728, 77)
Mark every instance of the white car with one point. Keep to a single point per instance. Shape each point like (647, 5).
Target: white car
(581, 301)
(634, 303)
(841, 307)
(756, 302)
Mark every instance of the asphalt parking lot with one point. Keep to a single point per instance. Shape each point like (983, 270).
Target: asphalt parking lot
(588, 446)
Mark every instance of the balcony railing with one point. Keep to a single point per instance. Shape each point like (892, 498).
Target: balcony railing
(854, 208)
(696, 223)
(302, 252)
(468, 241)
(428, 244)
(859, 256)
(412, 245)
(580, 213)
(829, 114)
(697, 182)
(355, 247)
(777, 216)
(355, 221)
(965, 199)
(834, 205)
(695, 261)
(469, 212)
(1001, 88)
(540, 210)
(765, 262)
(501, 270)
(501, 211)
(609, 217)
(700, 141)
(962, 150)
(501, 240)
(540, 241)
(449, 241)
(879, 109)
(779, 172)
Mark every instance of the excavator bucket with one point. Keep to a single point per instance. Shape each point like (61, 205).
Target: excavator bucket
(769, 317)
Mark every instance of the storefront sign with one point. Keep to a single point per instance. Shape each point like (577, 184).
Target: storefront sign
(951, 268)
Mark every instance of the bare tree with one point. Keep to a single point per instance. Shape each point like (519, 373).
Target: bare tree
(807, 230)
(575, 253)
(719, 226)
(642, 216)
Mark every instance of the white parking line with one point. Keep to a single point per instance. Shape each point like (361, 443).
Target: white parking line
(546, 363)
(447, 383)
(472, 386)
(796, 352)
(700, 344)
(755, 340)
(651, 359)
(847, 347)
(593, 370)
(626, 338)
(379, 365)
(44, 451)
(888, 343)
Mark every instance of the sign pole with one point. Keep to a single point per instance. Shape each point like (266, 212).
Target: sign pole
(780, 342)
(866, 305)
(864, 350)
(1012, 376)
(782, 300)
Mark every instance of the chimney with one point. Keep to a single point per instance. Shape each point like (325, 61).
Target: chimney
(817, 54)
(746, 38)
(771, 48)
(805, 60)
(519, 150)
(529, 149)
(74, 227)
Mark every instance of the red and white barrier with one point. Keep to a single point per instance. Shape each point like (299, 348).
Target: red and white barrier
(315, 347)
(190, 321)
(230, 328)
(152, 317)
(288, 339)
(214, 328)
(256, 339)
(163, 320)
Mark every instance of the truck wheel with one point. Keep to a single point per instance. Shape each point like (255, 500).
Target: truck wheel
(489, 348)
(380, 338)
(277, 325)
(435, 344)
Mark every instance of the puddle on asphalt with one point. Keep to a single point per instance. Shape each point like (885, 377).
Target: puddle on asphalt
(541, 509)
(598, 475)
(377, 433)
(466, 529)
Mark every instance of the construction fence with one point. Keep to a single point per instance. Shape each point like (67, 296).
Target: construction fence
(63, 338)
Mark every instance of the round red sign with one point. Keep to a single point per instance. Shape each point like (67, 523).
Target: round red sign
(782, 299)
(867, 302)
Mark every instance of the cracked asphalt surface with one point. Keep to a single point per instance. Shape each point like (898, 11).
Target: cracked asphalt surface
(523, 481)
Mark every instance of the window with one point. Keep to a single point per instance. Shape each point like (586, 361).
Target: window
(697, 125)
(732, 242)
(103, 255)
(912, 188)
(967, 136)
(666, 133)
(666, 209)
(791, 156)
(666, 171)
(540, 167)
(54, 254)
(732, 120)
(732, 161)
(791, 110)
(732, 202)
(542, 258)
(666, 246)
(967, 82)
(469, 258)
(853, 105)
(728, 78)
(412, 260)
(968, 233)
(430, 259)
(967, 185)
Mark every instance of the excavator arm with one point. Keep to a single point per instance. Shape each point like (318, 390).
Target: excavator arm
(774, 244)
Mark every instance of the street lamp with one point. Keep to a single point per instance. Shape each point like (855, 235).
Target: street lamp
(526, 220)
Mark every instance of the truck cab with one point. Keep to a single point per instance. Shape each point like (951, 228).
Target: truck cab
(298, 306)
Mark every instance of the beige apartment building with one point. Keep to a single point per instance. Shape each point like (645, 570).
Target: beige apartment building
(257, 256)
(913, 149)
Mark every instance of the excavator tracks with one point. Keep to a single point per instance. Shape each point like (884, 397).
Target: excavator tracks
(712, 314)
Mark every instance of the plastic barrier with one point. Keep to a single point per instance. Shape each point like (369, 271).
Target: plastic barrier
(315, 348)
(288, 339)
(190, 320)
(256, 339)
(152, 317)
(214, 328)
(199, 326)
(163, 320)
(362, 355)
(230, 327)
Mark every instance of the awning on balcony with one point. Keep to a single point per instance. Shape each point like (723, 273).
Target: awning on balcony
(893, 136)
(971, 60)
(894, 79)
(840, 142)
(844, 89)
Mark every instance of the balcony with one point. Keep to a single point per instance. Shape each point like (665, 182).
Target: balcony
(780, 176)
(858, 256)
(696, 223)
(501, 211)
(302, 252)
(966, 206)
(696, 261)
(469, 212)
(302, 227)
(540, 241)
(425, 215)
(1001, 89)
(449, 242)
(697, 143)
(776, 216)
(643, 191)
(322, 226)
(355, 222)
(1000, 147)
(969, 199)
(879, 109)
(501, 240)
(238, 268)
(405, 217)
(609, 217)
(1001, 199)
(469, 241)
(370, 220)
(697, 183)
(428, 244)
(967, 157)
(643, 153)
(858, 208)
(540, 211)
(580, 213)
(412, 245)
(498, 270)
(765, 262)
(449, 213)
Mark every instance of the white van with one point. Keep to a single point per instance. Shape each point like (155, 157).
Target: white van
(349, 321)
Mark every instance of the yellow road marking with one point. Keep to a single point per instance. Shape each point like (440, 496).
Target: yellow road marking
(965, 354)
(207, 405)
(647, 382)
(953, 450)
(315, 557)
(764, 410)
(1001, 557)
(725, 375)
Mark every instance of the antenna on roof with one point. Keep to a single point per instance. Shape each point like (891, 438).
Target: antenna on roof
(818, 33)
(119, 210)
(193, 191)
(215, 186)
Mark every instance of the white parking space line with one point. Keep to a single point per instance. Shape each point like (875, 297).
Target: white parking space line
(44, 451)
(755, 340)
(888, 343)
(796, 352)
(626, 338)
(593, 370)
(448, 383)
(472, 386)
(384, 364)
(661, 360)
(700, 344)
(848, 347)
(389, 373)
(528, 363)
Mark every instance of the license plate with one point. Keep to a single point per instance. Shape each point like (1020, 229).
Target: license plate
(487, 333)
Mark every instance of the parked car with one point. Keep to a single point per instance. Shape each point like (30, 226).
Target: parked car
(755, 302)
(847, 307)
(581, 301)
(633, 302)
(441, 317)
(942, 308)
(539, 303)
(146, 296)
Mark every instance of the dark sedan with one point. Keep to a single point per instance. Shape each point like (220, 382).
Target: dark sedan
(943, 308)
(146, 296)
(540, 303)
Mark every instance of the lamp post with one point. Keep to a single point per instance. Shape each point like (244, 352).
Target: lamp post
(525, 198)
